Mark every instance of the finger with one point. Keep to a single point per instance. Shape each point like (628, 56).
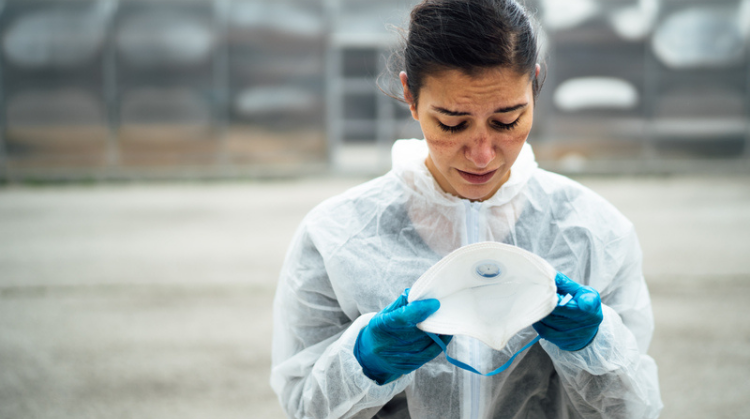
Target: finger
(414, 312)
(544, 330)
(571, 311)
(585, 298)
(588, 301)
(398, 303)
(565, 321)
(410, 348)
(406, 348)
(411, 361)
(566, 285)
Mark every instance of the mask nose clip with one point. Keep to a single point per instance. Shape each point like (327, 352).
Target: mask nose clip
(488, 269)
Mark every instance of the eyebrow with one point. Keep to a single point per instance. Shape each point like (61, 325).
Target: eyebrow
(499, 110)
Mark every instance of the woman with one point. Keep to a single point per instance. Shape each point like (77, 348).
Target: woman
(345, 341)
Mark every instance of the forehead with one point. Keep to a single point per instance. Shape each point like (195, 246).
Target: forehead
(492, 88)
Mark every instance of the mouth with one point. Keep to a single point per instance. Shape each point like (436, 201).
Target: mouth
(477, 178)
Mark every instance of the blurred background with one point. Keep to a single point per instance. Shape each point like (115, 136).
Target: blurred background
(156, 157)
(206, 88)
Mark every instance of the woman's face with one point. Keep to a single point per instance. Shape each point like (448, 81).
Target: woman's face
(475, 127)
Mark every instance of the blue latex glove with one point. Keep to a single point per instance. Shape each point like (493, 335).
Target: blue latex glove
(574, 325)
(391, 345)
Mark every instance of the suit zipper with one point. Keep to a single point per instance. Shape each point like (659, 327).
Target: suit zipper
(472, 236)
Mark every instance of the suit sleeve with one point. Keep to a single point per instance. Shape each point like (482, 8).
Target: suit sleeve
(614, 377)
(314, 371)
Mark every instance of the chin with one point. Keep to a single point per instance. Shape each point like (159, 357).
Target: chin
(476, 193)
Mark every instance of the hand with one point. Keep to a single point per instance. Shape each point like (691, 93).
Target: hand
(574, 325)
(391, 345)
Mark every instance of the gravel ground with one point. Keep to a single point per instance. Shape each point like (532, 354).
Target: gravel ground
(154, 301)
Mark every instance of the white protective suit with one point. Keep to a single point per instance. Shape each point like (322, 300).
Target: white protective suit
(356, 252)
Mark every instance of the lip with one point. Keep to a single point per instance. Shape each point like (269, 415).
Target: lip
(477, 178)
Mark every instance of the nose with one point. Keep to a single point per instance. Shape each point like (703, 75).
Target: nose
(480, 152)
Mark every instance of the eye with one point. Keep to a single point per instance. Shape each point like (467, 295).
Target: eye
(452, 128)
(505, 127)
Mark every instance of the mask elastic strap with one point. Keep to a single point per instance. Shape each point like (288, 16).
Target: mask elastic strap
(561, 302)
(467, 367)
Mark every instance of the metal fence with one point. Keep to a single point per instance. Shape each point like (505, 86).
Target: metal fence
(125, 87)
(660, 81)
(201, 87)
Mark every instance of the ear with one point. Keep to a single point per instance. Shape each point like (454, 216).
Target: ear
(538, 69)
(408, 97)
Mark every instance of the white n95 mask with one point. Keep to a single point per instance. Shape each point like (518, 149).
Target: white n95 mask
(489, 291)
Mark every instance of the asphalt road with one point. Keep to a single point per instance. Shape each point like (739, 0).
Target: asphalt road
(153, 301)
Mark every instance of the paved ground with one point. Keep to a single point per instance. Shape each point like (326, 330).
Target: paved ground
(153, 301)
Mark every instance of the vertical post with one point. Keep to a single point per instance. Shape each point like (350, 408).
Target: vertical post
(3, 125)
(547, 106)
(385, 121)
(650, 96)
(4, 171)
(110, 90)
(333, 84)
(747, 103)
(548, 129)
(221, 79)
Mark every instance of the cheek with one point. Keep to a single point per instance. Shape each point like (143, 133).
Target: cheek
(441, 152)
(510, 145)
(514, 145)
(441, 145)
(518, 136)
(516, 139)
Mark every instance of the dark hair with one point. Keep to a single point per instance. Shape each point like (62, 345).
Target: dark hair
(469, 35)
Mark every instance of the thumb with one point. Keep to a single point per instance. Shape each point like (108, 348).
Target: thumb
(414, 312)
(566, 285)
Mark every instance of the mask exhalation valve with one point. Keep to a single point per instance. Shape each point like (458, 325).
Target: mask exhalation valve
(488, 269)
